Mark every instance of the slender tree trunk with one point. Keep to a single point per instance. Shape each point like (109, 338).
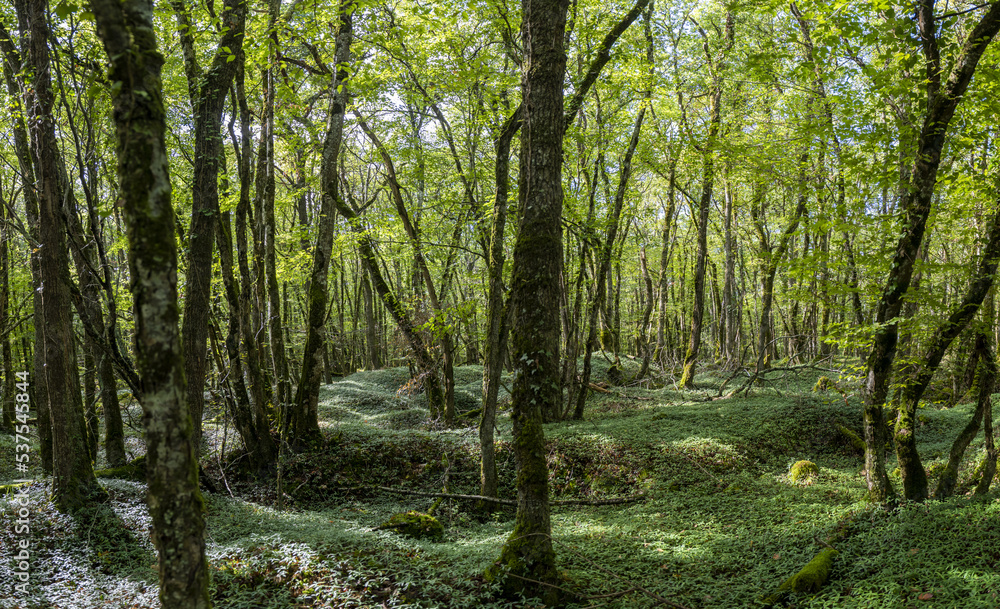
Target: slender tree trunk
(265, 193)
(208, 92)
(252, 423)
(17, 88)
(604, 259)
(260, 390)
(6, 324)
(496, 330)
(644, 340)
(73, 481)
(303, 419)
(987, 381)
(708, 180)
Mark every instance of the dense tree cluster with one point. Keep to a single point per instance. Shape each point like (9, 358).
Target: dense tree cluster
(255, 197)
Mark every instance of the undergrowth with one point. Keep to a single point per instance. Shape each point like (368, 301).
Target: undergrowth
(722, 523)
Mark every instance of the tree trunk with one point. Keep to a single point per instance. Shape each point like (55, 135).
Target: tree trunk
(208, 94)
(303, 421)
(987, 381)
(17, 88)
(252, 423)
(73, 481)
(265, 187)
(911, 469)
(7, 390)
(496, 330)
(535, 299)
(175, 502)
(916, 207)
(604, 259)
(260, 390)
(708, 179)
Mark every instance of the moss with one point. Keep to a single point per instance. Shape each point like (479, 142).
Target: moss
(134, 470)
(854, 439)
(809, 580)
(415, 524)
(801, 470)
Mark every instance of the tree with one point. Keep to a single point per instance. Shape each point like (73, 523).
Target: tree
(535, 297)
(207, 90)
(73, 481)
(943, 98)
(175, 503)
(302, 420)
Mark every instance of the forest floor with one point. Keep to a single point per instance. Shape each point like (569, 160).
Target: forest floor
(721, 526)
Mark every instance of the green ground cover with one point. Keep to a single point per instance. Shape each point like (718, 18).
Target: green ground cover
(723, 524)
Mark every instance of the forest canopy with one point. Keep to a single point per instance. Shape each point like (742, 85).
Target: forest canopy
(212, 210)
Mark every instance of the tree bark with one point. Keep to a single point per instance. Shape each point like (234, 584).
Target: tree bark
(6, 325)
(17, 88)
(535, 299)
(604, 259)
(73, 481)
(303, 422)
(911, 469)
(208, 92)
(175, 502)
(915, 206)
(708, 180)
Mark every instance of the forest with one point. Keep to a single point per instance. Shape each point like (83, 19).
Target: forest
(478, 303)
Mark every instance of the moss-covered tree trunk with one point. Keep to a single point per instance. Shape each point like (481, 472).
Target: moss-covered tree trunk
(987, 381)
(535, 298)
(251, 420)
(7, 390)
(73, 481)
(496, 314)
(303, 421)
(208, 90)
(911, 470)
(264, 192)
(175, 503)
(260, 391)
(943, 99)
(14, 77)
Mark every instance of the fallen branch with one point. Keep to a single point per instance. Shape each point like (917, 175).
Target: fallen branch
(811, 577)
(403, 491)
(598, 388)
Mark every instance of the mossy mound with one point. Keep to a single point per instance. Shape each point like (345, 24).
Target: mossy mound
(802, 470)
(415, 524)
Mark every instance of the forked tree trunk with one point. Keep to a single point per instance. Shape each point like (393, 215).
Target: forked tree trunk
(916, 207)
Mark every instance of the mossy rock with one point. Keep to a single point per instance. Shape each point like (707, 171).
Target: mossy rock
(415, 524)
(802, 470)
(134, 470)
